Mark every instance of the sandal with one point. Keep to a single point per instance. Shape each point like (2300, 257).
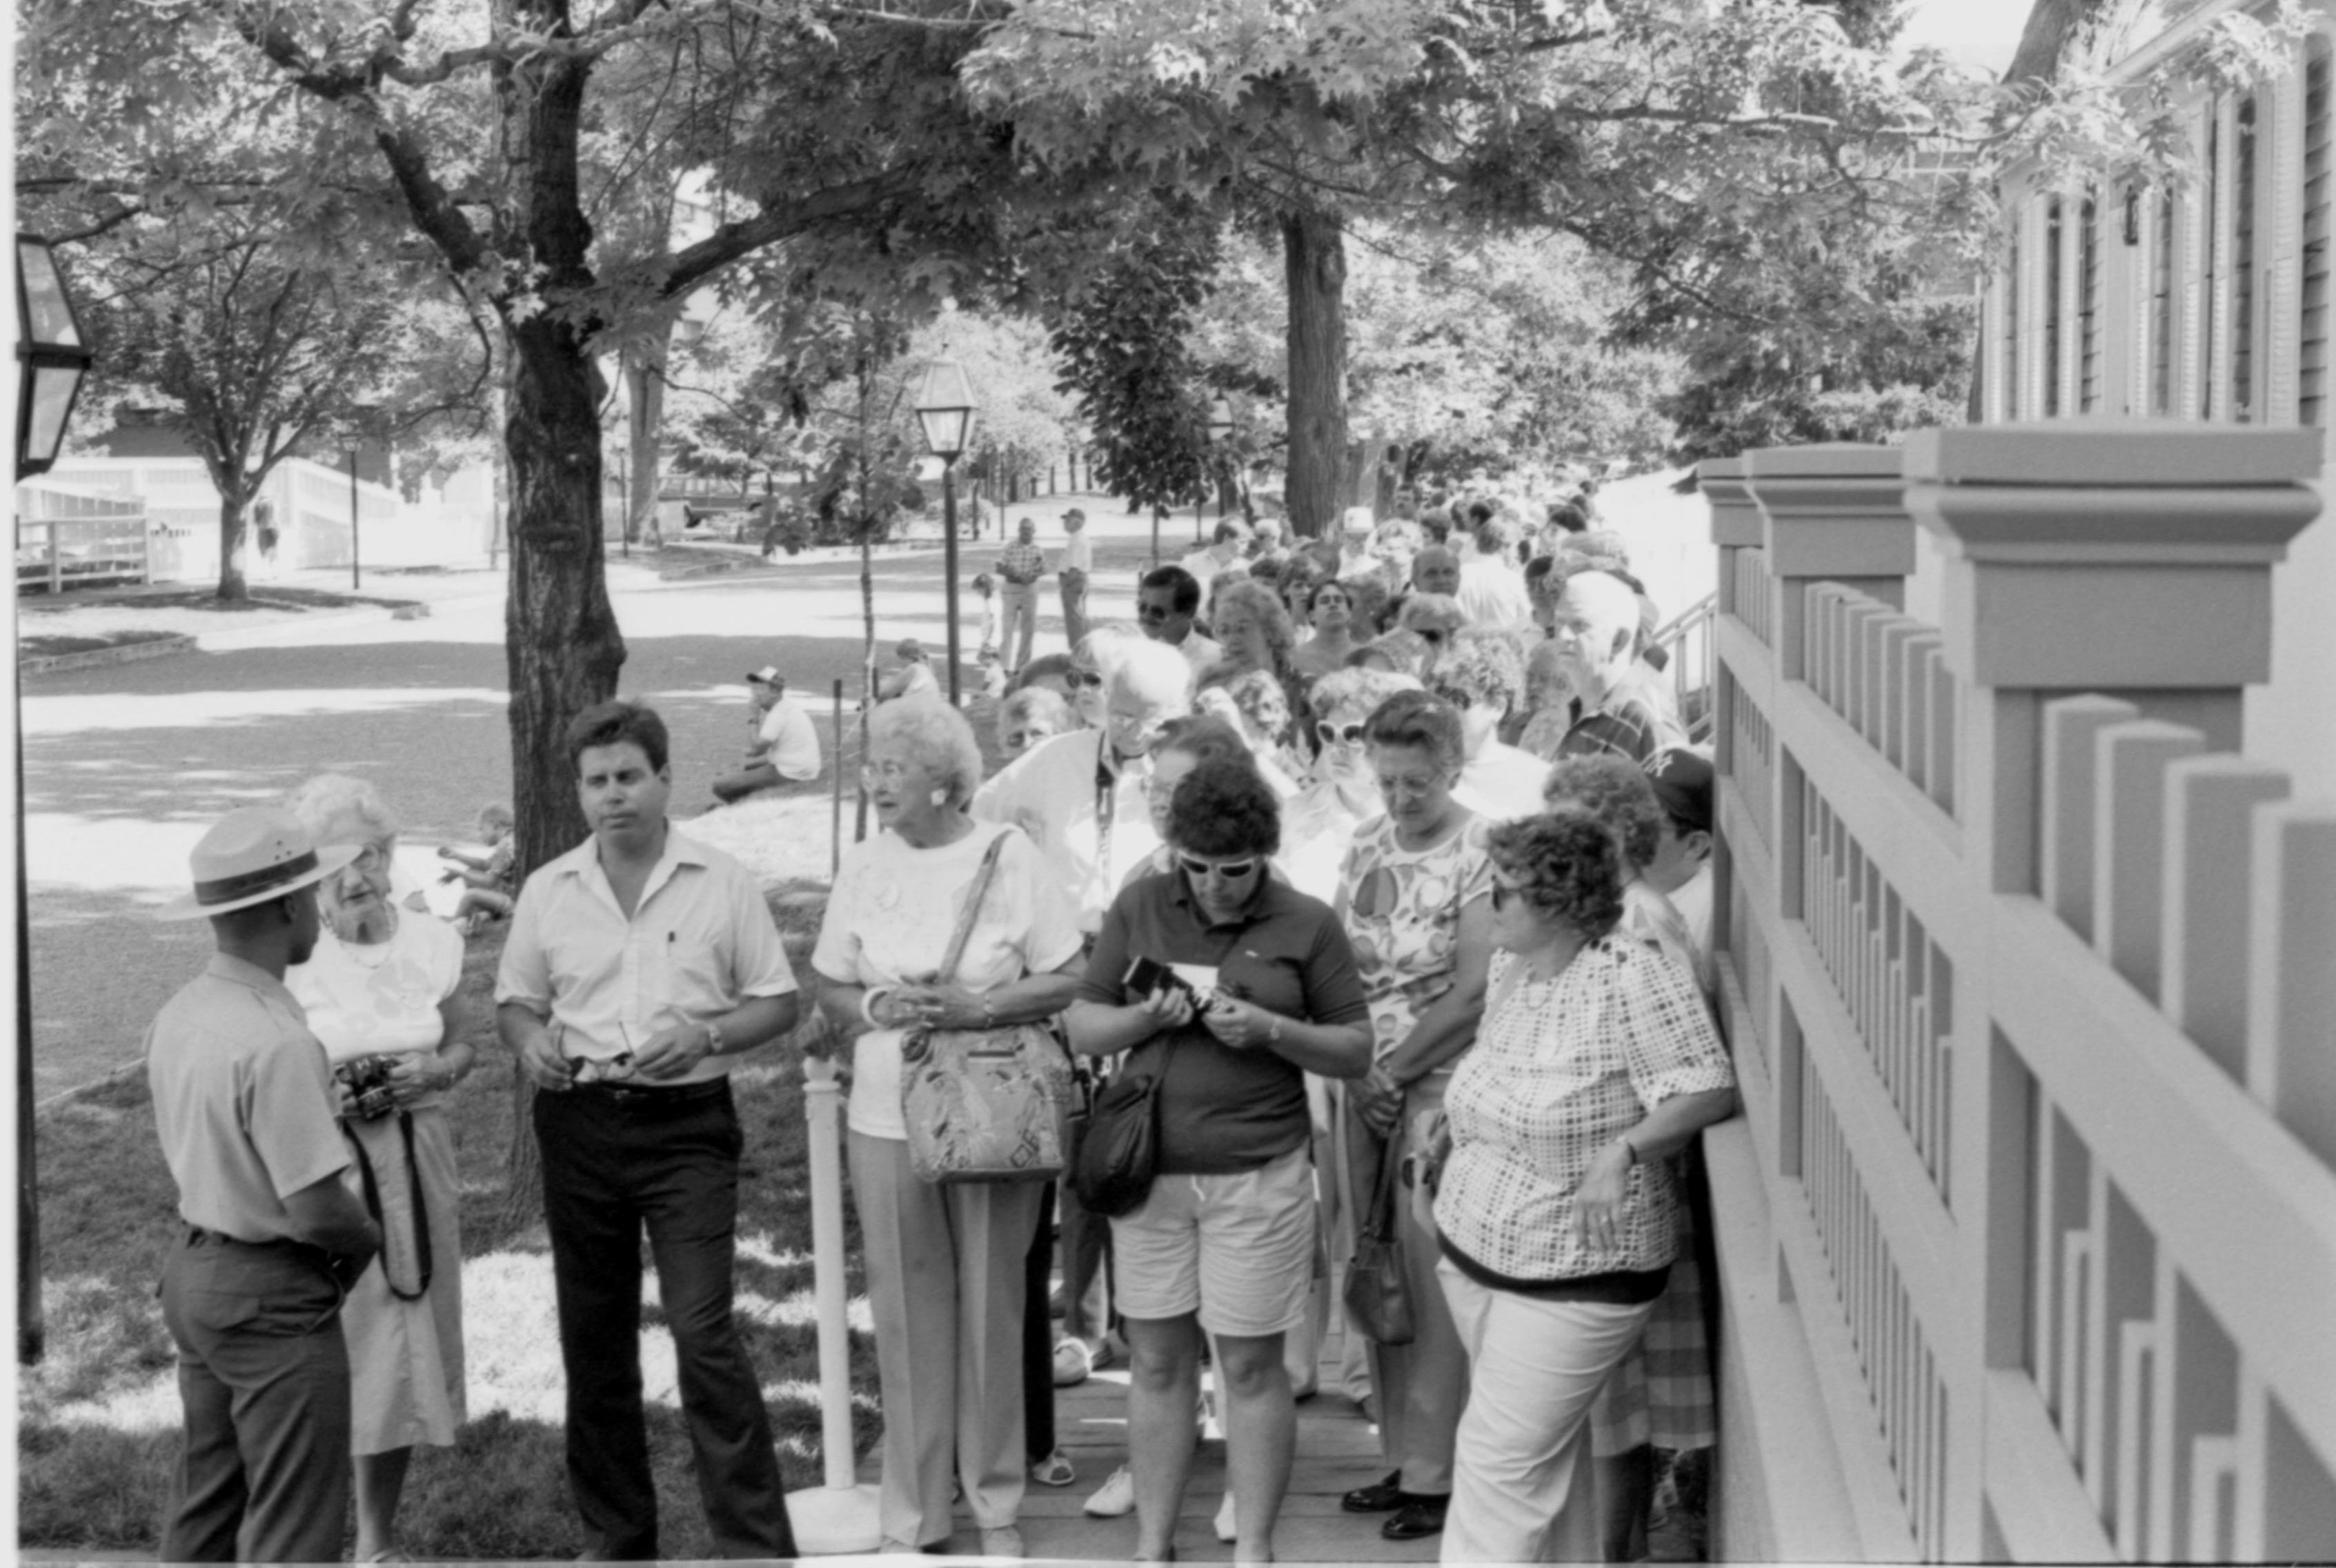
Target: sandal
(1054, 1470)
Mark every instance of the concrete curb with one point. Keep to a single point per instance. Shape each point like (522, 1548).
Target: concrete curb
(120, 653)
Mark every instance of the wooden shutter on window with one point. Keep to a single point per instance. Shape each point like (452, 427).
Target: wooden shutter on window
(2312, 384)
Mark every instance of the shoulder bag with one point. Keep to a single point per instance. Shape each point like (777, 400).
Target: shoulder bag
(1377, 1295)
(1119, 1147)
(985, 1104)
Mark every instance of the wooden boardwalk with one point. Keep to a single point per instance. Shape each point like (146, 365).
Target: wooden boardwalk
(1338, 1450)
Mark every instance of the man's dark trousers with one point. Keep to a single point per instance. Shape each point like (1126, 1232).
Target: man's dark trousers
(264, 1373)
(615, 1160)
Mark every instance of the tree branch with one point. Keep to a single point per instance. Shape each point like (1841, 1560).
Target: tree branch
(732, 241)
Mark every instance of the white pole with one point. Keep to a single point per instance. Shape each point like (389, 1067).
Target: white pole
(841, 1515)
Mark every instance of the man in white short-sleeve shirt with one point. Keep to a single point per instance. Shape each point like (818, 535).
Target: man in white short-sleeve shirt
(639, 965)
(786, 743)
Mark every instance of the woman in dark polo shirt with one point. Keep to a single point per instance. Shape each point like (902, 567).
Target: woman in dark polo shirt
(1225, 1241)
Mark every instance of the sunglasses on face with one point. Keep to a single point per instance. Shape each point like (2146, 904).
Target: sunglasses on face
(1502, 893)
(1337, 734)
(1152, 612)
(1075, 679)
(1224, 870)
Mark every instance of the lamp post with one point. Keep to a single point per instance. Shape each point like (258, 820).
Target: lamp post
(51, 362)
(1220, 424)
(945, 408)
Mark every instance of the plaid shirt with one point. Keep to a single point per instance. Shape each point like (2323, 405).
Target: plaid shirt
(1630, 727)
(1022, 563)
(1560, 1071)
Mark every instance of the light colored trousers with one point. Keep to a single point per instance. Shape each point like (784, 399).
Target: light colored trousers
(945, 1279)
(1422, 1387)
(1523, 1486)
(1021, 602)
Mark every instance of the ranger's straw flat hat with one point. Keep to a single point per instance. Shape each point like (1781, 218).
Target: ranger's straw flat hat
(250, 856)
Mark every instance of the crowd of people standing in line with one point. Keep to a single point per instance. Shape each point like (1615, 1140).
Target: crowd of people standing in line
(1390, 968)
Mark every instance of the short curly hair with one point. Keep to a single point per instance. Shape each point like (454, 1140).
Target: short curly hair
(1416, 718)
(618, 723)
(1566, 865)
(330, 804)
(1260, 600)
(1617, 794)
(1225, 808)
(1348, 695)
(1480, 666)
(1430, 612)
(935, 735)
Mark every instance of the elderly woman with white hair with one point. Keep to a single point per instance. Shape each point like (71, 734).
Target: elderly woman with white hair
(945, 1262)
(381, 990)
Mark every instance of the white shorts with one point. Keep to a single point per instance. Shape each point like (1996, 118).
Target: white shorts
(1238, 1249)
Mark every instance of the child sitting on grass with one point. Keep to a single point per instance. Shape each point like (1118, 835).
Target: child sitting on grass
(489, 884)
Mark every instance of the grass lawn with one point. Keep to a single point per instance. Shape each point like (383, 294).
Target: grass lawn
(99, 1418)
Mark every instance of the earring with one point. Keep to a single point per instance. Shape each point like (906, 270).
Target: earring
(940, 797)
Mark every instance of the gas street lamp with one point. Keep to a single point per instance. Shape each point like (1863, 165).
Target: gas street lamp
(50, 357)
(1220, 424)
(945, 408)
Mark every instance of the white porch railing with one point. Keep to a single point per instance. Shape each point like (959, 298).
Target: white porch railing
(2028, 1233)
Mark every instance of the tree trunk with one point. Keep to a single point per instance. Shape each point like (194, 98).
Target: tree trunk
(562, 648)
(644, 423)
(233, 508)
(1314, 254)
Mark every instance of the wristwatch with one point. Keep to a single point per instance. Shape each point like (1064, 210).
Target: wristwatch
(714, 1042)
(1273, 1029)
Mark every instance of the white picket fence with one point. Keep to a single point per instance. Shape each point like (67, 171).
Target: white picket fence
(2028, 1229)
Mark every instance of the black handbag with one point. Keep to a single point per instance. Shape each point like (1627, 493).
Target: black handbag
(1118, 1148)
(1378, 1294)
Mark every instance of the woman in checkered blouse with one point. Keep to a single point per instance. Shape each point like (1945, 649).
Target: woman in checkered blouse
(1556, 1211)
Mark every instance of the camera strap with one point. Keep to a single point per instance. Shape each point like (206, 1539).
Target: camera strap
(420, 1211)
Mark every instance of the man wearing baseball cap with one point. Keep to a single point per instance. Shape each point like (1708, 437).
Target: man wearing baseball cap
(1681, 869)
(785, 748)
(247, 1113)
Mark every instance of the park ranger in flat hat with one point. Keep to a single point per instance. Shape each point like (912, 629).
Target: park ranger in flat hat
(246, 1109)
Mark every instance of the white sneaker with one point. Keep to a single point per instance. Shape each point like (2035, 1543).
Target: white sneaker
(1225, 1530)
(1115, 1499)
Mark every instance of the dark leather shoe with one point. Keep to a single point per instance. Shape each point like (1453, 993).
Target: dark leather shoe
(1420, 1516)
(1379, 1497)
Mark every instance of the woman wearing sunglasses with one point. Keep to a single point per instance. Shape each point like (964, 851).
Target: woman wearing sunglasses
(1411, 896)
(1250, 984)
(1557, 1210)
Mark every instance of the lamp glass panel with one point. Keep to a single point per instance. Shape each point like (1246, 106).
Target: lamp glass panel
(51, 402)
(945, 429)
(47, 312)
(1220, 419)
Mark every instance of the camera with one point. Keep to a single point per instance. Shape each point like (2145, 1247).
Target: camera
(367, 1078)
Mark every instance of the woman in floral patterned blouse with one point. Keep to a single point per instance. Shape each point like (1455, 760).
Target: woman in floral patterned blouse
(1557, 1208)
(1413, 898)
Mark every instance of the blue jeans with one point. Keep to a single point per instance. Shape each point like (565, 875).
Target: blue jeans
(615, 1160)
(263, 1475)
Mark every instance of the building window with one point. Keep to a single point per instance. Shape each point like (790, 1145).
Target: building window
(2161, 309)
(2088, 308)
(2242, 265)
(2311, 403)
(2052, 308)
